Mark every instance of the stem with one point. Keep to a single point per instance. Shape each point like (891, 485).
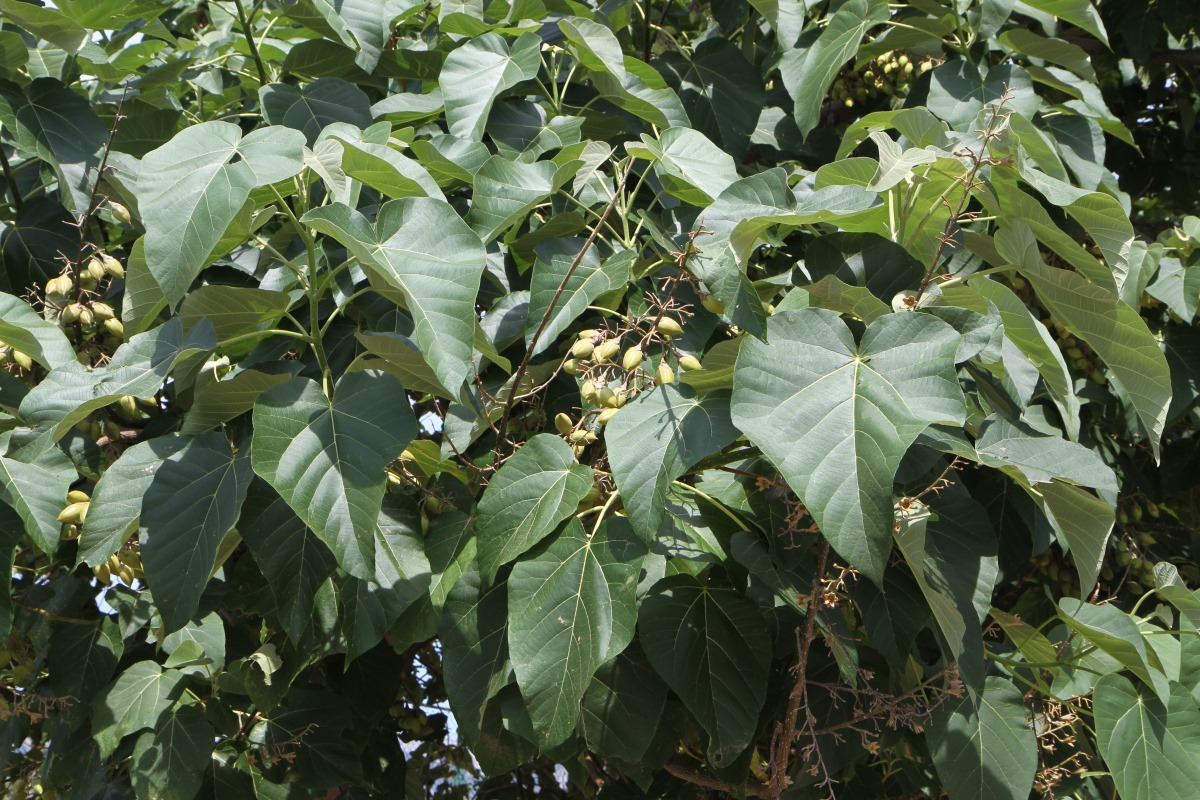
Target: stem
(11, 179)
(708, 782)
(258, 334)
(245, 23)
(786, 733)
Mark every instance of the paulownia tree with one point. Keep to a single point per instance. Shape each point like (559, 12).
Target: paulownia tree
(779, 399)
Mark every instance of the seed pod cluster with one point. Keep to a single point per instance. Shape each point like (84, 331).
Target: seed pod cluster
(887, 75)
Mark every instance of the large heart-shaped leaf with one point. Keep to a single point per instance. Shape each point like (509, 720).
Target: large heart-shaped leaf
(192, 188)
(571, 608)
(836, 416)
(424, 249)
(134, 702)
(325, 456)
(711, 646)
(474, 75)
(171, 759)
(590, 278)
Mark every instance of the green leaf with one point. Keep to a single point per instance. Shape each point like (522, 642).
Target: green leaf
(82, 660)
(1114, 330)
(217, 400)
(193, 500)
(46, 23)
(192, 189)
(572, 606)
(535, 490)
(1056, 51)
(590, 279)
(1113, 631)
(643, 93)
(690, 166)
(836, 417)
(233, 310)
(959, 91)
(326, 456)
(655, 438)
(622, 707)
(474, 75)
(808, 71)
(786, 18)
(364, 25)
(291, 557)
(169, 763)
(23, 328)
(1177, 286)
(711, 646)
(134, 702)
(594, 45)
(36, 488)
(59, 127)
(311, 108)
(721, 91)
(505, 192)
(986, 751)
(1151, 748)
(1076, 12)
(382, 168)
(424, 249)
(116, 503)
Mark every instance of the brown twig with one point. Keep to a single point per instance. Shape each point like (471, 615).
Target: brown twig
(707, 781)
(786, 733)
(523, 368)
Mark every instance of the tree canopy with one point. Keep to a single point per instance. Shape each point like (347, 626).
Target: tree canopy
(767, 398)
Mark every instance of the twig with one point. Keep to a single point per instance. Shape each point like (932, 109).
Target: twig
(241, 14)
(707, 781)
(510, 401)
(786, 733)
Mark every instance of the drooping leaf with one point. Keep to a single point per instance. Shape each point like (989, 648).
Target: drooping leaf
(836, 417)
(193, 500)
(535, 490)
(572, 607)
(325, 456)
(474, 75)
(710, 645)
(985, 748)
(169, 762)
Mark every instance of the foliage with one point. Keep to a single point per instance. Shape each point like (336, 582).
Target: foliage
(769, 399)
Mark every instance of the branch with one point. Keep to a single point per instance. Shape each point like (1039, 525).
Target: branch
(11, 179)
(786, 733)
(707, 781)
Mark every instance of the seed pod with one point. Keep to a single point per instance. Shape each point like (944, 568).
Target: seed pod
(115, 328)
(1098, 377)
(607, 351)
(112, 266)
(76, 496)
(587, 390)
(1123, 559)
(689, 363)
(578, 436)
(125, 574)
(394, 480)
(665, 374)
(1074, 352)
(578, 449)
(713, 304)
(75, 512)
(95, 268)
(103, 311)
(605, 397)
(587, 333)
(571, 366)
(22, 360)
(129, 406)
(86, 318)
(102, 573)
(620, 398)
(632, 358)
(71, 531)
(434, 505)
(669, 327)
(563, 424)
(59, 287)
(582, 348)
(120, 213)
(1152, 510)
(589, 437)
(70, 313)
(114, 562)
(1135, 513)
(606, 415)
(133, 560)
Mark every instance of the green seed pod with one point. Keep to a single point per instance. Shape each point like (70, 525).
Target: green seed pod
(1135, 513)
(587, 390)
(563, 423)
(434, 505)
(1152, 509)
(688, 363)
(59, 287)
(115, 328)
(582, 348)
(632, 358)
(587, 333)
(607, 351)
(76, 496)
(103, 311)
(112, 266)
(620, 398)
(1074, 352)
(101, 572)
(1147, 539)
(71, 531)
(578, 436)
(606, 415)
(665, 374)
(120, 213)
(22, 360)
(129, 406)
(713, 304)
(95, 268)
(70, 313)
(669, 327)
(125, 574)
(86, 317)
(571, 366)
(75, 512)
(605, 397)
